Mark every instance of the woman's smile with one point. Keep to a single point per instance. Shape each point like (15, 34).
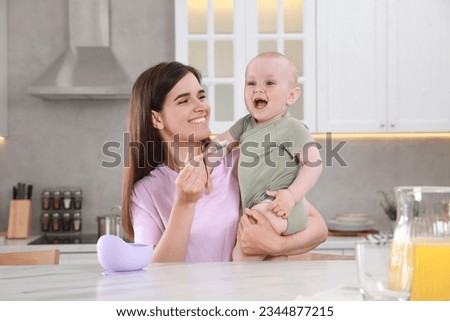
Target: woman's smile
(200, 120)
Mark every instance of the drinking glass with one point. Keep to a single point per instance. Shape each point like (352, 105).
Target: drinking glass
(373, 267)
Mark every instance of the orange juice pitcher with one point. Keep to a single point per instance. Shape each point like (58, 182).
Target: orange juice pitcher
(420, 252)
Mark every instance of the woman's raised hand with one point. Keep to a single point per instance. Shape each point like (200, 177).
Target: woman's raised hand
(192, 180)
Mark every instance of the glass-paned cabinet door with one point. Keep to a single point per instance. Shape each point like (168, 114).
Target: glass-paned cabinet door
(287, 26)
(208, 38)
(219, 37)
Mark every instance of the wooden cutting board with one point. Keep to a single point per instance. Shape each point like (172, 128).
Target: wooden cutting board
(19, 219)
(350, 233)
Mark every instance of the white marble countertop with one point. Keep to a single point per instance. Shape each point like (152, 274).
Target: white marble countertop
(273, 281)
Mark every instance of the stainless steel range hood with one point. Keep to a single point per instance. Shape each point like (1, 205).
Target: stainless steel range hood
(88, 69)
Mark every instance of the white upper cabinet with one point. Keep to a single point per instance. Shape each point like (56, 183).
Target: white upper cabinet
(219, 37)
(383, 65)
(351, 60)
(419, 65)
(3, 71)
(364, 65)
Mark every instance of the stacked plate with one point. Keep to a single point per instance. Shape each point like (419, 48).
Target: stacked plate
(350, 223)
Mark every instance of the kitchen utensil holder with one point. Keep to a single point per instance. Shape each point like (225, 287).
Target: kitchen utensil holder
(19, 219)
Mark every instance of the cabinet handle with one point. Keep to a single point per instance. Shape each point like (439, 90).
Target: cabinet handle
(381, 125)
(392, 125)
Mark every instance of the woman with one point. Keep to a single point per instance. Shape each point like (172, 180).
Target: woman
(164, 198)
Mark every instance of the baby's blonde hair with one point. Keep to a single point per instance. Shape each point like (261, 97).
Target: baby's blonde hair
(277, 55)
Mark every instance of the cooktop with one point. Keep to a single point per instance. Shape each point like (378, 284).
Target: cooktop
(66, 239)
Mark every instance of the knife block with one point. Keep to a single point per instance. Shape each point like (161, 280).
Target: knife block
(19, 219)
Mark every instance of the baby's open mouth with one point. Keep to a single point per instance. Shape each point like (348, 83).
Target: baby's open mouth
(260, 103)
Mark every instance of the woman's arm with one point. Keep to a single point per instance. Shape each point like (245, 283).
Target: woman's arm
(173, 243)
(190, 185)
(261, 239)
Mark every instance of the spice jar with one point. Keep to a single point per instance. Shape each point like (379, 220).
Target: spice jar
(66, 222)
(56, 224)
(77, 200)
(67, 200)
(76, 222)
(45, 222)
(46, 200)
(56, 200)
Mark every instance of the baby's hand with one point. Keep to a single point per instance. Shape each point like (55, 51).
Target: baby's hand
(213, 154)
(283, 203)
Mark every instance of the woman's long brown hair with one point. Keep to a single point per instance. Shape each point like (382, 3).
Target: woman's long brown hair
(145, 149)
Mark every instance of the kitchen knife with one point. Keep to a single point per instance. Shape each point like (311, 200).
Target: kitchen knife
(29, 191)
(19, 191)
(14, 192)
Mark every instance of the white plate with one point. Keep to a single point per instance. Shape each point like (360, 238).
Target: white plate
(350, 227)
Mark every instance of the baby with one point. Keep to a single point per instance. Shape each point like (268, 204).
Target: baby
(278, 162)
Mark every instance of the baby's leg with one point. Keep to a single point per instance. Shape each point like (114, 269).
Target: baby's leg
(278, 223)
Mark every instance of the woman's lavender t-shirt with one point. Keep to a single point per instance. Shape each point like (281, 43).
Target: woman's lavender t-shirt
(213, 231)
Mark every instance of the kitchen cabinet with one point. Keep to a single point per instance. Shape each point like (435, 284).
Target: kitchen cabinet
(419, 65)
(382, 66)
(69, 253)
(364, 65)
(78, 258)
(3, 70)
(336, 245)
(349, 252)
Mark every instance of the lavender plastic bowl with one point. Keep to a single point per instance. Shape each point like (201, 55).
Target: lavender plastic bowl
(116, 255)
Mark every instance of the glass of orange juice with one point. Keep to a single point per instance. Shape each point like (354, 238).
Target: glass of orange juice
(420, 251)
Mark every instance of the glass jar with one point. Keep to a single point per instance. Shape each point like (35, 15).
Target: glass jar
(66, 222)
(45, 222)
(67, 200)
(420, 252)
(77, 200)
(76, 222)
(56, 223)
(46, 200)
(56, 200)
